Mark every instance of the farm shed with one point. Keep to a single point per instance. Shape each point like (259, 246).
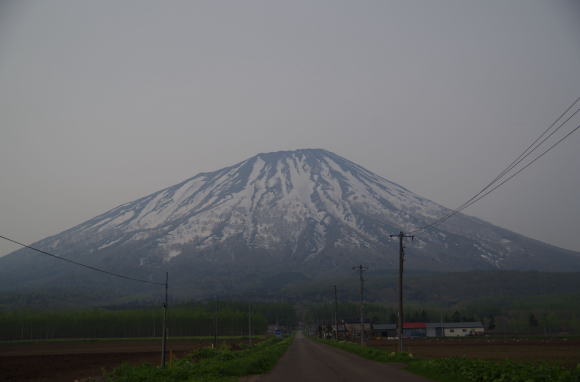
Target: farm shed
(462, 329)
(415, 329)
(384, 330)
(454, 329)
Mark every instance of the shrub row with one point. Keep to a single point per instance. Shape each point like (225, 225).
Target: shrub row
(207, 364)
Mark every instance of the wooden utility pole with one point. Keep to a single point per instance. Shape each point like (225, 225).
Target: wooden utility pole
(250, 323)
(361, 269)
(164, 330)
(335, 314)
(215, 323)
(401, 317)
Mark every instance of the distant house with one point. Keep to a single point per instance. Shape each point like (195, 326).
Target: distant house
(353, 329)
(434, 329)
(462, 329)
(384, 330)
(415, 329)
(350, 330)
(411, 329)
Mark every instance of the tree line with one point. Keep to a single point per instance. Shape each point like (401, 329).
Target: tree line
(194, 319)
(537, 315)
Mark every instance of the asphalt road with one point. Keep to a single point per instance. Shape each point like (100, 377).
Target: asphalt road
(307, 360)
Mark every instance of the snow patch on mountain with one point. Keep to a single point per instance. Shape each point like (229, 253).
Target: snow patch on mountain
(306, 204)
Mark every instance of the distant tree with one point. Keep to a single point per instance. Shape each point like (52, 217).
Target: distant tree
(466, 318)
(491, 323)
(456, 317)
(533, 321)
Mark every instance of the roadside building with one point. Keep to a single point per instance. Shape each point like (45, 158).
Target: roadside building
(429, 329)
(414, 329)
(463, 329)
(454, 329)
(352, 329)
(384, 330)
(434, 329)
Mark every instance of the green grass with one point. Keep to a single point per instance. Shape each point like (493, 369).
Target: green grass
(464, 369)
(125, 339)
(477, 370)
(368, 352)
(207, 364)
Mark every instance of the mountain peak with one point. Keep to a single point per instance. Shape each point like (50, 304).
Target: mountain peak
(306, 210)
(309, 152)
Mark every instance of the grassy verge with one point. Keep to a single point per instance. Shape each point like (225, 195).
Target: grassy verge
(207, 364)
(464, 369)
(368, 352)
(125, 339)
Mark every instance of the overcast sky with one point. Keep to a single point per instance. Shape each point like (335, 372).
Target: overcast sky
(102, 102)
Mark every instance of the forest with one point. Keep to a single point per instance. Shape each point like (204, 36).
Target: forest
(537, 315)
(223, 318)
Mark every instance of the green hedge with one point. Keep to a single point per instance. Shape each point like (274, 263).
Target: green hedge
(207, 364)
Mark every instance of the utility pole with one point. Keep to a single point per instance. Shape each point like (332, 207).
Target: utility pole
(250, 323)
(335, 314)
(164, 330)
(401, 317)
(215, 323)
(361, 269)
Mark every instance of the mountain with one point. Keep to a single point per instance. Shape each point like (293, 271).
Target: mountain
(278, 217)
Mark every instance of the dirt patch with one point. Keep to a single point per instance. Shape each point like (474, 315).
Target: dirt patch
(64, 362)
(563, 351)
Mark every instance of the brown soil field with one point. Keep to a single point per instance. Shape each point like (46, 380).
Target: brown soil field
(63, 362)
(563, 351)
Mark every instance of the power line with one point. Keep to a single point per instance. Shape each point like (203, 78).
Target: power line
(527, 165)
(525, 154)
(531, 147)
(83, 265)
(480, 195)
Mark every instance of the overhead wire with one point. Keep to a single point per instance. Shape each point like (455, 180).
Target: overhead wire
(531, 147)
(528, 151)
(81, 264)
(525, 154)
(527, 165)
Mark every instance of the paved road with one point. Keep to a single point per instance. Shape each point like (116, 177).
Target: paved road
(307, 360)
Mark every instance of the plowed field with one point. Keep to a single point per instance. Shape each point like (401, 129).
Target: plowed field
(62, 362)
(563, 351)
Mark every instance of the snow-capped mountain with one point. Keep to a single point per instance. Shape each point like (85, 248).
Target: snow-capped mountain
(308, 211)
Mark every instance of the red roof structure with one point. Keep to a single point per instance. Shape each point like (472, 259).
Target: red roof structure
(414, 325)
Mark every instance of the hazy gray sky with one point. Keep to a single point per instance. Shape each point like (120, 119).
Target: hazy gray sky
(102, 102)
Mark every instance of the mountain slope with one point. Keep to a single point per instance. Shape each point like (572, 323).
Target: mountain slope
(307, 211)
